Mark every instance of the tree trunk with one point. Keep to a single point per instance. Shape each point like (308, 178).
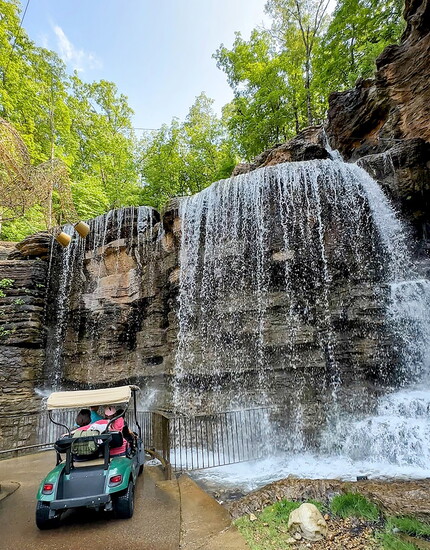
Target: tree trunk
(308, 92)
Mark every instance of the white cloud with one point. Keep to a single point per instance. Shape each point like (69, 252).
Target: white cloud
(75, 58)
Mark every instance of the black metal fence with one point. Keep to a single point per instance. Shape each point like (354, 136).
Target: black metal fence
(27, 433)
(207, 441)
(186, 442)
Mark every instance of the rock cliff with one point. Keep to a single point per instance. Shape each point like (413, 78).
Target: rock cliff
(384, 121)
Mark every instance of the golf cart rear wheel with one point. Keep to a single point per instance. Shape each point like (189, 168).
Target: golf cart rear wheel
(43, 521)
(124, 503)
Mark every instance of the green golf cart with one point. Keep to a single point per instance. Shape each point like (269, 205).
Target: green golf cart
(86, 474)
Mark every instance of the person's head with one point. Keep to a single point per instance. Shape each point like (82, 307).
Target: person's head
(95, 408)
(83, 418)
(110, 412)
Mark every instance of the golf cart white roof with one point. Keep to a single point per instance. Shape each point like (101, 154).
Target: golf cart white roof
(87, 398)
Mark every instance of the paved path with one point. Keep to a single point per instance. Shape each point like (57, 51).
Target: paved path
(155, 524)
(168, 515)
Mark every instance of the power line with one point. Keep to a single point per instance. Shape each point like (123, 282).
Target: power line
(17, 35)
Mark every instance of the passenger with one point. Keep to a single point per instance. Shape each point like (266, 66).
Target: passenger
(83, 418)
(116, 426)
(94, 414)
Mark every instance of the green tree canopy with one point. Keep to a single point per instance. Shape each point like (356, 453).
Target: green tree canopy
(183, 158)
(85, 126)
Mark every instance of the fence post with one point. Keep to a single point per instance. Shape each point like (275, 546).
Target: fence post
(165, 437)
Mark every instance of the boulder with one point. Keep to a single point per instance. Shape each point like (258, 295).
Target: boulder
(308, 522)
(307, 145)
(33, 246)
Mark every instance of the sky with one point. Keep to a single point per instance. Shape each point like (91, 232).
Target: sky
(159, 54)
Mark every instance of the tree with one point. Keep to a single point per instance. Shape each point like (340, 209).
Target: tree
(104, 141)
(23, 185)
(357, 34)
(308, 18)
(263, 106)
(183, 158)
(80, 129)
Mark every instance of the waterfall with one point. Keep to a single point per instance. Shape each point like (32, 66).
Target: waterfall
(86, 284)
(298, 291)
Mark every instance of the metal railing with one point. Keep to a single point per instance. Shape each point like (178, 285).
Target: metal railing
(182, 442)
(26, 433)
(207, 441)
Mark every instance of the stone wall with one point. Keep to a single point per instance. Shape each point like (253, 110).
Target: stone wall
(119, 317)
(21, 334)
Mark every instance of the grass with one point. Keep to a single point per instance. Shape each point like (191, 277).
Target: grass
(390, 541)
(410, 526)
(354, 505)
(269, 531)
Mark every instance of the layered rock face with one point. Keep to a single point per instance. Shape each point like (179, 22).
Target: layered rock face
(284, 295)
(22, 299)
(111, 317)
(385, 120)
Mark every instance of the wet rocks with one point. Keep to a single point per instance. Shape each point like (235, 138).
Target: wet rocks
(307, 145)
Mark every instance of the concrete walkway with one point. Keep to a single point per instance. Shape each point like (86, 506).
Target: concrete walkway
(169, 515)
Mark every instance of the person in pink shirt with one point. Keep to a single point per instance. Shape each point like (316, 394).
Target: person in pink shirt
(116, 426)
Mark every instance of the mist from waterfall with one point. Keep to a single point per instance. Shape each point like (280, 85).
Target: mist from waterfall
(298, 291)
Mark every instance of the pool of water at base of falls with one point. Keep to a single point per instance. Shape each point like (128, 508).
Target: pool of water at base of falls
(392, 443)
(247, 476)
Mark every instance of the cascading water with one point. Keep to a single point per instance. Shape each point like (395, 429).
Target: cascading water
(297, 290)
(87, 283)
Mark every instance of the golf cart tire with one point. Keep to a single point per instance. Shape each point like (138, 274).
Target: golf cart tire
(43, 521)
(124, 503)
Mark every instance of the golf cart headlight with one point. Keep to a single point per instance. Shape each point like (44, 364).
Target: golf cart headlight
(47, 488)
(115, 480)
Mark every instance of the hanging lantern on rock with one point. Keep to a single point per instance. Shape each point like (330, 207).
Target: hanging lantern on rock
(63, 238)
(82, 228)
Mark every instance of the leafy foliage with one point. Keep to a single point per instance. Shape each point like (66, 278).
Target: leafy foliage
(183, 158)
(357, 34)
(85, 128)
(281, 77)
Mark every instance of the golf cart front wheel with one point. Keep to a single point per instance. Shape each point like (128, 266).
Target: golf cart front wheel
(124, 503)
(43, 521)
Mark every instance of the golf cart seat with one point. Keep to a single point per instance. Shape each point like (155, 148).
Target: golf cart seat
(116, 441)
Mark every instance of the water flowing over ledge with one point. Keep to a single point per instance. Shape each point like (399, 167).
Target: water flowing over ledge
(298, 292)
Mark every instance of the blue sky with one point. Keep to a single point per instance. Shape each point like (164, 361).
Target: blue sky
(158, 53)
